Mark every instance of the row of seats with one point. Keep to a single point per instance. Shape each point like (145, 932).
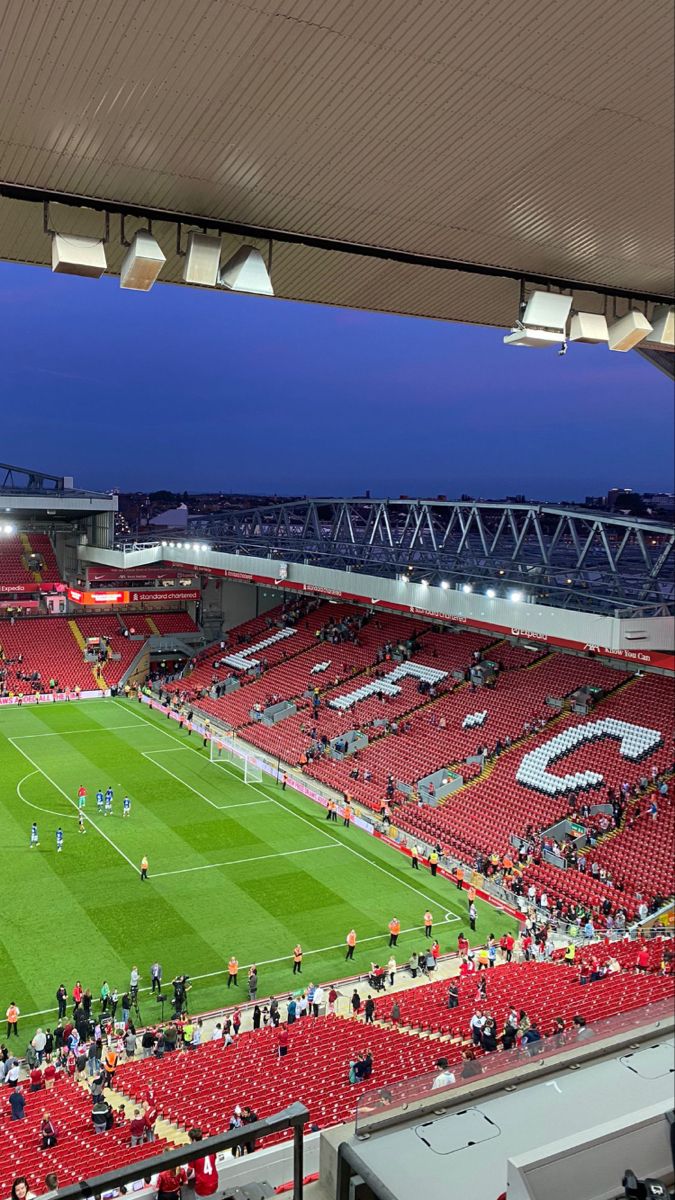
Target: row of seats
(15, 560)
(80, 1153)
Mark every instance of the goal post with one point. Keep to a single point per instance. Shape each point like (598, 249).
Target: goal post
(252, 770)
(220, 749)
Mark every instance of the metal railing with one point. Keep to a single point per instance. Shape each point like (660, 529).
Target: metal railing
(381, 1105)
(294, 1117)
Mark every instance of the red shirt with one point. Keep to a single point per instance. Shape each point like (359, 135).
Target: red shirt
(462, 945)
(137, 1127)
(510, 941)
(170, 1182)
(36, 1077)
(643, 958)
(151, 1116)
(283, 1037)
(82, 791)
(50, 1071)
(203, 1175)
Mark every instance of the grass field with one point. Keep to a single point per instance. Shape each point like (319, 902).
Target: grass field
(234, 867)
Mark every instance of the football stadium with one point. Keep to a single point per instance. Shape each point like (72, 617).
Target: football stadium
(338, 831)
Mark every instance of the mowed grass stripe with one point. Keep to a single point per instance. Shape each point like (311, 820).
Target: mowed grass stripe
(193, 922)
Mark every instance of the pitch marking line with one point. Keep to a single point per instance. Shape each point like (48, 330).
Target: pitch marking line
(273, 800)
(268, 962)
(39, 769)
(221, 807)
(236, 861)
(50, 811)
(19, 737)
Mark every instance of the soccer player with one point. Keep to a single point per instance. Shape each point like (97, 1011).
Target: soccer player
(34, 836)
(59, 840)
(126, 807)
(99, 800)
(108, 801)
(81, 796)
(80, 823)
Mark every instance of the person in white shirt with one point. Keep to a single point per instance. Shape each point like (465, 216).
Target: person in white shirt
(38, 1043)
(445, 1076)
(217, 1033)
(317, 1000)
(476, 1026)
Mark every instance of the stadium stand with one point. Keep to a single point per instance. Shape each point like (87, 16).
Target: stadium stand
(27, 559)
(80, 1152)
(53, 647)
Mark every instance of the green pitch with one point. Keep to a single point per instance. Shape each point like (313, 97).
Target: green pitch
(235, 868)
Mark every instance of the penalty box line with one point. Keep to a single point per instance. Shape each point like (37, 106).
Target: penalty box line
(150, 755)
(273, 800)
(65, 795)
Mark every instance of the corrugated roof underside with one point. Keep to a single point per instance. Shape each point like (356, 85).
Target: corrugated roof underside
(536, 136)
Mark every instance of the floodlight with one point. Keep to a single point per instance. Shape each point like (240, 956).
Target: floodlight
(444, 584)
(202, 260)
(589, 327)
(662, 336)
(74, 255)
(466, 588)
(165, 543)
(9, 529)
(403, 578)
(628, 331)
(204, 547)
(516, 597)
(543, 321)
(142, 264)
(425, 583)
(490, 593)
(246, 272)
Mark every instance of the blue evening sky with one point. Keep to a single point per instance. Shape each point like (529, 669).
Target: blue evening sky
(201, 390)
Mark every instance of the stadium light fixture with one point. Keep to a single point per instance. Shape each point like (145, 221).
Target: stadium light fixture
(403, 578)
(75, 255)
(165, 543)
(172, 545)
(516, 597)
(202, 260)
(445, 585)
(490, 593)
(662, 336)
(246, 272)
(142, 264)
(589, 327)
(628, 331)
(425, 582)
(204, 547)
(543, 321)
(466, 588)
(8, 529)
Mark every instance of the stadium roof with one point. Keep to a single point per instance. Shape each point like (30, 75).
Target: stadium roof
(418, 157)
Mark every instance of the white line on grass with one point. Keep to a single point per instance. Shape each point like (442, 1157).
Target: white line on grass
(19, 737)
(263, 962)
(110, 842)
(221, 807)
(411, 887)
(49, 811)
(236, 861)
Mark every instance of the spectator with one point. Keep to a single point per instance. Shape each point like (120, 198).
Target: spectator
(20, 1189)
(52, 1186)
(150, 1115)
(356, 1003)
(581, 1027)
(470, 1065)
(445, 1076)
(101, 1116)
(453, 995)
(170, 1182)
(137, 1128)
(17, 1104)
(48, 1132)
(369, 1010)
(202, 1172)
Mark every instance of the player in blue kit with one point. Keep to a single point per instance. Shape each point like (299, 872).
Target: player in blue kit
(108, 801)
(59, 840)
(126, 807)
(34, 836)
(99, 801)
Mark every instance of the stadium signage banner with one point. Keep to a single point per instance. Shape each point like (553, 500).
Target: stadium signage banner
(165, 594)
(52, 697)
(29, 589)
(649, 658)
(79, 597)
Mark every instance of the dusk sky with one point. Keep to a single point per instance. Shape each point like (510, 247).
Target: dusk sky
(199, 390)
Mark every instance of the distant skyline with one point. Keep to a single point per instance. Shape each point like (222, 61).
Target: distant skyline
(201, 391)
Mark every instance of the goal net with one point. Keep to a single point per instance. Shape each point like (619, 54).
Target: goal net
(252, 770)
(221, 749)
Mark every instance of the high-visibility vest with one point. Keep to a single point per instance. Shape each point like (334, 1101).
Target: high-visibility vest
(394, 926)
(351, 938)
(233, 966)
